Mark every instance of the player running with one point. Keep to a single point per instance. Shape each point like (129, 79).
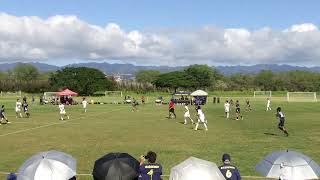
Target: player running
(63, 112)
(268, 104)
(26, 109)
(187, 114)
(201, 118)
(84, 104)
(171, 109)
(227, 108)
(281, 118)
(134, 105)
(18, 109)
(3, 116)
(238, 111)
(248, 105)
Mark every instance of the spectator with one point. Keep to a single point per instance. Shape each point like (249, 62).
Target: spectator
(150, 170)
(229, 171)
(12, 176)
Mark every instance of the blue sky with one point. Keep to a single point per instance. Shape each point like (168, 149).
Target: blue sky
(148, 16)
(144, 14)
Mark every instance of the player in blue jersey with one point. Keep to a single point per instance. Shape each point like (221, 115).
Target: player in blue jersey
(150, 170)
(280, 115)
(229, 171)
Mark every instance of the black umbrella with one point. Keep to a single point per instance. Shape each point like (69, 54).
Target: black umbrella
(116, 166)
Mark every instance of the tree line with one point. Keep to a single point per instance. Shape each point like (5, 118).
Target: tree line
(87, 81)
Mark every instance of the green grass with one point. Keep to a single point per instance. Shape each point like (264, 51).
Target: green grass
(114, 128)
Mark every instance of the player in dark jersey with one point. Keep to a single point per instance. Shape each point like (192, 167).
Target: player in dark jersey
(134, 105)
(150, 170)
(238, 111)
(3, 116)
(281, 118)
(229, 171)
(171, 109)
(26, 109)
(248, 105)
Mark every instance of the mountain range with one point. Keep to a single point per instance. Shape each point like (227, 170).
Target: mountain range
(130, 69)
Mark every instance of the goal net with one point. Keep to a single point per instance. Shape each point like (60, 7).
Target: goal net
(262, 94)
(301, 96)
(113, 93)
(10, 93)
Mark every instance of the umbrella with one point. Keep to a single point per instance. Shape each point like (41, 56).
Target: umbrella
(116, 166)
(195, 169)
(51, 165)
(288, 165)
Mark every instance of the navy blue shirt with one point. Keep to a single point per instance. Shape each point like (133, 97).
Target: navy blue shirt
(150, 171)
(230, 172)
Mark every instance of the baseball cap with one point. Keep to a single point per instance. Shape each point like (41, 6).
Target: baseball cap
(226, 157)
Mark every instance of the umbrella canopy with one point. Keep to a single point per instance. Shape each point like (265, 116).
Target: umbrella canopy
(199, 93)
(195, 169)
(51, 165)
(288, 165)
(67, 92)
(116, 166)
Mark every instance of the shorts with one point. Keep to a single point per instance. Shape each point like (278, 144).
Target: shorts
(226, 110)
(281, 123)
(238, 110)
(187, 114)
(18, 110)
(171, 110)
(201, 119)
(63, 113)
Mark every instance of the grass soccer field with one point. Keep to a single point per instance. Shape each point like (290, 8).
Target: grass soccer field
(114, 128)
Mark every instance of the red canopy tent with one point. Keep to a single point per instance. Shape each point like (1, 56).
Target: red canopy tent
(67, 92)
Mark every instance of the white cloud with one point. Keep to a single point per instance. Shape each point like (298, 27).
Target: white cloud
(67, 37)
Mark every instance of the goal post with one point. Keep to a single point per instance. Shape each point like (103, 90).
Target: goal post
(302, 97)
(113, 93)
(262, 94)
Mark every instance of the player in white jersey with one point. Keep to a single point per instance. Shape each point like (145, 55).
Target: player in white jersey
(187, 114)
(84, 104)
(18, 109)
(201, 119)
(62, 112)
(268, 104)
(227, 108)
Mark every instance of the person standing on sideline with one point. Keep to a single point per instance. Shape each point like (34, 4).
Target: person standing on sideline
(268, 104)
(227, 108)
(201, 119)
(187, 114)
(84, 104)
(171, 109)
(150, 170)
(229, 171)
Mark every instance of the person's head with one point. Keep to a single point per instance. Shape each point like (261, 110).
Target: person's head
(151, 157)
(227, 101)
(186, 103)
(226, 159)
(73, 178)
(12, 176)
(278, 109)
(2, 106)
(18, 100)
(199, 107)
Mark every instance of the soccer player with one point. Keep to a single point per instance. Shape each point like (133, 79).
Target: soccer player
(229, 171)
(171, 109)
(150, 170)
(142, 100)
(84, 104)
(201, 119)
(268, 104)
(227, 108)
(63, 112)
(238, 111)
(281, 118)
(3, 116)
(187, 114)
(26, 109)
(248, 107)
(18, 109)
(134, 105)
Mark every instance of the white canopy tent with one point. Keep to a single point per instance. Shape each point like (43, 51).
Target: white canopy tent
(199, 93)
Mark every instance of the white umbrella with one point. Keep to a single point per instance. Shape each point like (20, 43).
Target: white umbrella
(288, 165)
(196, 169)
(51, 165)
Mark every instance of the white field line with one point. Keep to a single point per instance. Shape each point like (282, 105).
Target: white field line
(52, 124)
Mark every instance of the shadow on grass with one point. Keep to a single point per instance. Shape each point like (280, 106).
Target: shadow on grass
(271, 134)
